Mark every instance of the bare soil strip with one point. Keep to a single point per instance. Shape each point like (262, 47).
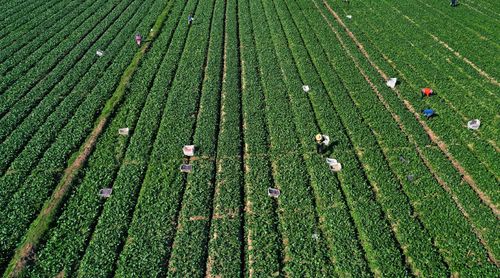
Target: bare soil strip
(433, 137)
(41, 224)
(442, 145)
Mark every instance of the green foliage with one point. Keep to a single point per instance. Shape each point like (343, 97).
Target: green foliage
(230, 84)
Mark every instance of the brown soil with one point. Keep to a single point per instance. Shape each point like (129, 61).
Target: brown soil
(443, 147)
(210, 263)
(197, 218)
(250, 258)
(61, 274)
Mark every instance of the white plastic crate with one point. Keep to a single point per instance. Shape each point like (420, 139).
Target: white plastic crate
(391, 82)
(188, 150)
(123, 131)
(474, 124)
(105, 192)
(335, 167)
(186, 168)
(273, 192)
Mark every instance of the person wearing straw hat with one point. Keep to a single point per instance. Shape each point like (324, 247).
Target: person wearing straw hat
(322, 141)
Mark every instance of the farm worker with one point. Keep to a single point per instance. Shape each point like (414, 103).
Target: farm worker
(190, 19)
(138, 39)
(322, 141)
(453, 3)
(427, 92)
(428, 113)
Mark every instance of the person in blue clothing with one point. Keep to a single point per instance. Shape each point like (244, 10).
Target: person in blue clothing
(428, 113)
(454, 3)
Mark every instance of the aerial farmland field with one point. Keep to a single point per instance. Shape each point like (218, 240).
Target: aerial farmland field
(101, 101)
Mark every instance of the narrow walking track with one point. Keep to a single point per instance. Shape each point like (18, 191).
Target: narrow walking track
(406, 203)
(441, 144)
(432, 136)
(41, 224)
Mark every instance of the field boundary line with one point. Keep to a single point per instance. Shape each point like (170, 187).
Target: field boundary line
(427, 129)
(41, 224)
(434, 138)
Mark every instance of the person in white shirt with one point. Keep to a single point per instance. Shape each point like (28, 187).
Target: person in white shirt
(322, 141)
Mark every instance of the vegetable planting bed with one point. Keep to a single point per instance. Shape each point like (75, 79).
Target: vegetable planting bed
(414, 196)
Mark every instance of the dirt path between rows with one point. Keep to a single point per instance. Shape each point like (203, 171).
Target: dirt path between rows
(443, 147)
(432, 135)
(40, 226)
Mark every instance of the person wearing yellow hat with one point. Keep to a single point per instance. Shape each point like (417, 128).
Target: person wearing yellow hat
(322, 141)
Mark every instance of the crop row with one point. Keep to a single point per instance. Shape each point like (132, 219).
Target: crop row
(151, 230)
(226, 245)
(482, 26)
(392, 200)
(28, 141)
(26, 202)
(439, 229)
(192, 235)
(67, 240)
(483, 8)
(35, 139)
(473, 44)
(15, 54)
(311, 113)
(11, 7)
(446, 125)
(305, 250)
(474, 86)
(477, 33)
(33, 23)
(24, 103)
(432, 54)
(420, 255)
(355, 133)
(11, 19)
(110, 232)
(453, 71)
(463, 95)
(42, 71)
(263, 239)
(484, 212)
